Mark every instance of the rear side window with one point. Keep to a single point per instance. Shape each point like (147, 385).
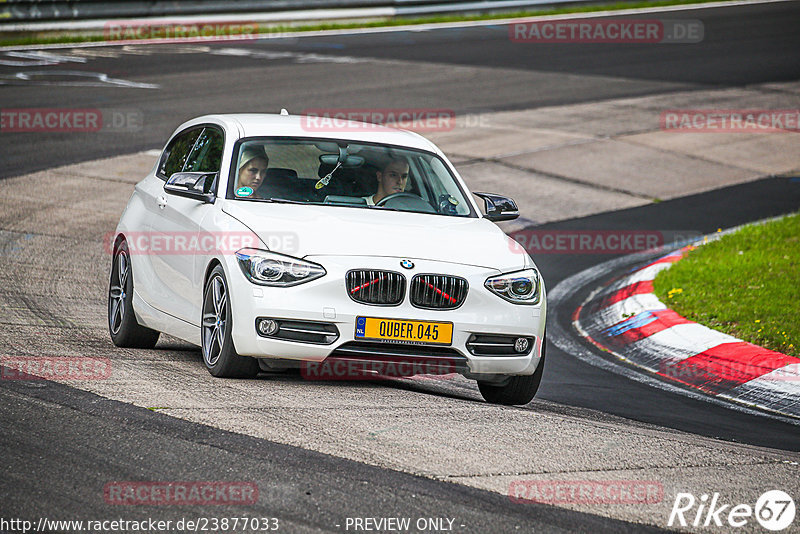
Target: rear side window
(206, 156)
(177, 153)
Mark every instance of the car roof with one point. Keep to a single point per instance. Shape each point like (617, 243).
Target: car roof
(269, 124)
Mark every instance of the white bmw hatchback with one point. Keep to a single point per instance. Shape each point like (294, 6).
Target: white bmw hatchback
(273, 243)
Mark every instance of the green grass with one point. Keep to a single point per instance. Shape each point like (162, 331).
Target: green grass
(747, 285)
(83, 37)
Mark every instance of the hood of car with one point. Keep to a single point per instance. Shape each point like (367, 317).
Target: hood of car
(309, 230)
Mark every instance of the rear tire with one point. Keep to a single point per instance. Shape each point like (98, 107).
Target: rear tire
(518, 390)
(219, 354)
(122, 325)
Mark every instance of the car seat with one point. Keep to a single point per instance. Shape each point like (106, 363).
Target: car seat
(284, 183)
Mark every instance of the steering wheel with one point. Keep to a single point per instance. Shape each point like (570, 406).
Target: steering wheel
(387, 198)
(405, 200)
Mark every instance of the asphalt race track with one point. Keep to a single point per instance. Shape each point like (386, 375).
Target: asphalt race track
(434, 69)
(61, 444)
(313, 489)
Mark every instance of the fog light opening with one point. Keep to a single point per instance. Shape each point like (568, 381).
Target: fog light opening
(267, 327)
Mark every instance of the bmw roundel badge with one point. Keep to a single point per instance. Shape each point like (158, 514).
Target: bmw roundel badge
(407, 264)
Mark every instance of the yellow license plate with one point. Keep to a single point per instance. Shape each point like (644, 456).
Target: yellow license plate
(404, 330)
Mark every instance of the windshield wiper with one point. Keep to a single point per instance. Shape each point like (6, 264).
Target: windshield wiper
(384, 208)
(411, 211)
(285, 201)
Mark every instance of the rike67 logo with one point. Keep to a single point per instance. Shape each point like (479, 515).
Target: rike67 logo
(774, 510)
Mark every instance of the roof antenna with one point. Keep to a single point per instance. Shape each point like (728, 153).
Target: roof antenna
(284, 112)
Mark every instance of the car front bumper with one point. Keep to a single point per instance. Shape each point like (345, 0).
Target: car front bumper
(325, 300)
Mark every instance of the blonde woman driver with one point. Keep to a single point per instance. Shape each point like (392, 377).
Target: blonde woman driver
(252, 170)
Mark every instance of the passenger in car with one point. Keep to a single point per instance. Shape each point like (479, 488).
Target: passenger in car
(252, 170)
(392, 178)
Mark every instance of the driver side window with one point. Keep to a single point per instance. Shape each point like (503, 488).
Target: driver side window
(206, 156)
(177, 152)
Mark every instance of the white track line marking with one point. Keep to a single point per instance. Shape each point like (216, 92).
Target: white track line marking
(435, 26)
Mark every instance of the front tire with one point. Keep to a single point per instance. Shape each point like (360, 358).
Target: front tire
(219, 354)
(122, 325)
(517, 390)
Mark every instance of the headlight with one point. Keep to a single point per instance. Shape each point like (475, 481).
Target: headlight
(521, 287)
(271, 269)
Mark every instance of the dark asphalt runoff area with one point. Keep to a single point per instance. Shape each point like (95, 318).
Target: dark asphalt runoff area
(61, 445)
(574, 383)
(100, 440)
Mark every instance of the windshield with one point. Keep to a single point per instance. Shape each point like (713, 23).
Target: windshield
(344, 173)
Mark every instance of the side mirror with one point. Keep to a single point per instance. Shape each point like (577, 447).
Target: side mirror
(194, 185)
(498, 207)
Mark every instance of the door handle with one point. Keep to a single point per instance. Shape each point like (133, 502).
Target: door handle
(162, 202)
